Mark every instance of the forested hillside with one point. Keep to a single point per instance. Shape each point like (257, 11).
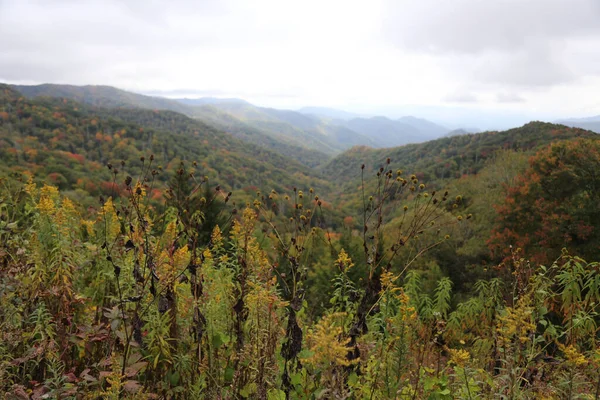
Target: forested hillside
(451, 269)
(69, 145)
(312, 139)
(452, 157)
(101, 96)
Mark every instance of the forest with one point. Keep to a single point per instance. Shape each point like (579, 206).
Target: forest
(145, 254)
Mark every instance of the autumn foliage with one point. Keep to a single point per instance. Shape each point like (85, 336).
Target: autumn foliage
(554, 204)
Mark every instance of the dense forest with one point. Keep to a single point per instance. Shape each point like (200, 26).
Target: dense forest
(146, 254)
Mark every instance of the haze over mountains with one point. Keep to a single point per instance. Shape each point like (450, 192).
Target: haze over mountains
(310, 135)
(590, 123)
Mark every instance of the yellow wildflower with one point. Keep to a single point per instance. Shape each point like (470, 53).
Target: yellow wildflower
(50, 191)
(387, 281)
(343, 261)
(459, 356)
(89, 226)
(30, 187)
(327, 343)
(572, 355)
(107, 216)
(46, 206)
(216, 237)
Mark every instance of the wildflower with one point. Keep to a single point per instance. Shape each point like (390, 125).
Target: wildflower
(387, 281)
(572, 355)
(30, 187)
(216, 237)
(459, 357)
(46, 206)
(343, 261)
(327, 344)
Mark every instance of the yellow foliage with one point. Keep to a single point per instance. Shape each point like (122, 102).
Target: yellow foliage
(459, 356)
(216, 237)
(108, 220)
(181, 258)
(572, 355)
(516, 323)
(344, 262)
(328, 343)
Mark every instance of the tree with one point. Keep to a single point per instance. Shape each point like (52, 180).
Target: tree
(554, 204)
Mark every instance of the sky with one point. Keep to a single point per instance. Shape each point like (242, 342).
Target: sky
(482, 62)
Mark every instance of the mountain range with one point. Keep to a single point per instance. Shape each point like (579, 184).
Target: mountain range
(589, 123)
(310, 135)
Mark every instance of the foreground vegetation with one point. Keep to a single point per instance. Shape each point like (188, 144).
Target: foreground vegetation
(126, 273)
(129, 303)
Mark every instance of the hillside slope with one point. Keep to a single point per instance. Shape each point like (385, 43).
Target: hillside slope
(451, 157)
(102, 96)
(69, 144)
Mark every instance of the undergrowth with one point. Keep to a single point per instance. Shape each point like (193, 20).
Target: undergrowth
(200, 299)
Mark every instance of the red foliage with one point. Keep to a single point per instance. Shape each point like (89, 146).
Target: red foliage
(553, 205)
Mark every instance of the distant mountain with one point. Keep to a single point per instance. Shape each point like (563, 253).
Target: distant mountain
(595, 118)
(328, 113)
(424, 126)
(310, 136)
(102, 96)
(386, 132)
(222, 120)
(589, 123)
(287, 126)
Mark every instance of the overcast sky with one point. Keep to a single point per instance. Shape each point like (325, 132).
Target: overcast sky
(525, 58)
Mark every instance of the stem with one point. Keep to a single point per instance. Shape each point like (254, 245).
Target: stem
(467, 382)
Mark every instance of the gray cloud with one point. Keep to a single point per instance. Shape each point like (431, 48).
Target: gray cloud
(537, 66)
(336, 52)
(514, 42)
(475, 26)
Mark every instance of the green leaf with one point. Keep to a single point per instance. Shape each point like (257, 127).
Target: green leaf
(217, 340)
(228, 375)
(275, 394)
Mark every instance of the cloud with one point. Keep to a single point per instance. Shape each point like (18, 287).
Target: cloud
(475, 26)
(507, 97)
(536, 66)
(525, 43)
(338, 53)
